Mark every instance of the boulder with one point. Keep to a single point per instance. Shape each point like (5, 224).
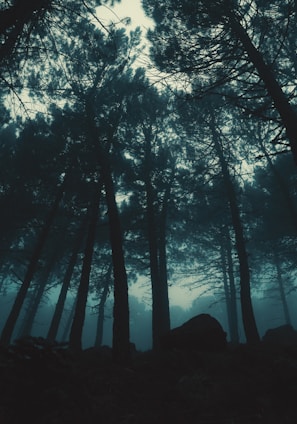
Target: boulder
(202, 332)
(285, 335)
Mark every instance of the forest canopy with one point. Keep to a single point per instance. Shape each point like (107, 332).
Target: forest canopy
(179, 172)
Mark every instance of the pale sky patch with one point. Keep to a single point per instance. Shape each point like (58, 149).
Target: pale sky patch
(126, 8)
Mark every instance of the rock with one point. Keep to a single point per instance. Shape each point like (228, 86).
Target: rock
(285, 335)
(202, 332)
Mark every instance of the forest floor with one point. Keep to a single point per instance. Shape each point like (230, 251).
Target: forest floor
(241, 385)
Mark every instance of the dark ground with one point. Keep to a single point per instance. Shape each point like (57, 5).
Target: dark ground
(241, 385)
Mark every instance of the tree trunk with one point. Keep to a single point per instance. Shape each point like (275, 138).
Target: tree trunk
(65, 334)
(121, 325)
(54, 326)
(281, 288)
(75, 339)
(281, 103)
(226, 286)
(28, 321)
(101, 308)
(249, 322)
(229, 285)
(16, 308)
(157, 252)
(233, 299)
(165, 323)
(154, 267)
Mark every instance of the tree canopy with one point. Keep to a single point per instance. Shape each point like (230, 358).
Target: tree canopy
(110, 178)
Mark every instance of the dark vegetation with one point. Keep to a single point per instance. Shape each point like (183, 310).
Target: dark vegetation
(171, 169)
(242, 384)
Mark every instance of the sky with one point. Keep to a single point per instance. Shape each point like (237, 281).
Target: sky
(126, 8)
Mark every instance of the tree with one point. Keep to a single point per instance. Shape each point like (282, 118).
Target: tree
(249, 322)
(83, 289)
(192, 37)
(14, 18)
(55, 322)
(15, 311)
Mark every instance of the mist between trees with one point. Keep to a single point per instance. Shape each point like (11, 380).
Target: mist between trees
(181, 172)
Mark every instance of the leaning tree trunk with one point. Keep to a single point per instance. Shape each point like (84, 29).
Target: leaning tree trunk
(281, 103)
(32, 309)
(20, 298)
(248, 318)
(54, 326)
(75, 339)
(28, 321)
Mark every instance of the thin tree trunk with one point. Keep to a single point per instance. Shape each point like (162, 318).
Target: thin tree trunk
(54, 326)
(249, 322)
(160, 301)
(16, 308)
(67, 328)
(32, 309)
(165, 323)
(154, 267)
(101, 308)
(75, 340)
(28, 321)
(121, 325)
(281, 288)
(232, 287)
(225, 284)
